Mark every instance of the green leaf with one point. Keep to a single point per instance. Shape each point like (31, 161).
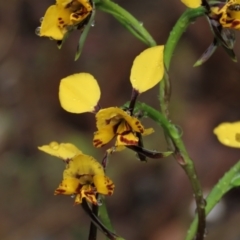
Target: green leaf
(236, 181)
(127, 20)
(84, 34)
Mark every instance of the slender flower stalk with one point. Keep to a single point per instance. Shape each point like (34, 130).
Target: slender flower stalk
(93, 228)
(225, 184)
(180, 152)
(110, 235)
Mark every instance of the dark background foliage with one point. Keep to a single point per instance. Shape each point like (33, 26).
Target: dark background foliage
(151, 201)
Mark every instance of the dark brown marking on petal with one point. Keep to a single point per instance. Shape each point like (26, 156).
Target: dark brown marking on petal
(227, 21)
(115, 127)
(235, 23)
(128, 142)
(75, 15)
(110, 186)
(107, 121)
(78, 189)
(125, 132)
(97, 143)
(237, 137)
(90, 194)
(59, 191)
(78, 176)
(67, 160)
(68, 5)
(141, 129)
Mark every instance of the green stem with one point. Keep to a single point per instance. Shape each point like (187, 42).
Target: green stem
(183, 159)
(126, 19)
(180, 27)
(221, 188)
(181, 154)
(93, 229)
(109, 234)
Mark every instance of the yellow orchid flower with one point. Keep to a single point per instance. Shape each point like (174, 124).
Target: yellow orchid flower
(192, 3)
(115, 121)
(63, 17)
(83, 177)
(80, 93)
(228, 134)
(228, 14)
(223, 17)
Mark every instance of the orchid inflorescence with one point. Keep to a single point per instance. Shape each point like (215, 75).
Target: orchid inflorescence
(119, 128)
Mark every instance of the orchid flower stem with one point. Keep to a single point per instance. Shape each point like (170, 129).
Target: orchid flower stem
(221, 188)
(93, 228)
(133, 100)
(180, 27)
(97, 222)
(188, 17)
(182, 158)
(180, 152)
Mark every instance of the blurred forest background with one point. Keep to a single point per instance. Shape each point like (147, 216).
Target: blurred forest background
(151, 201)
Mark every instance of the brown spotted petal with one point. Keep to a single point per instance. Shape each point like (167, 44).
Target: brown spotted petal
(55, 22)
(115, 122)
(103, 136)
(103, 184)
(64, 17)
(108, 116)
(127, 139)
(83, 167)
(88, 192)
(134, 123)
(68, 186)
